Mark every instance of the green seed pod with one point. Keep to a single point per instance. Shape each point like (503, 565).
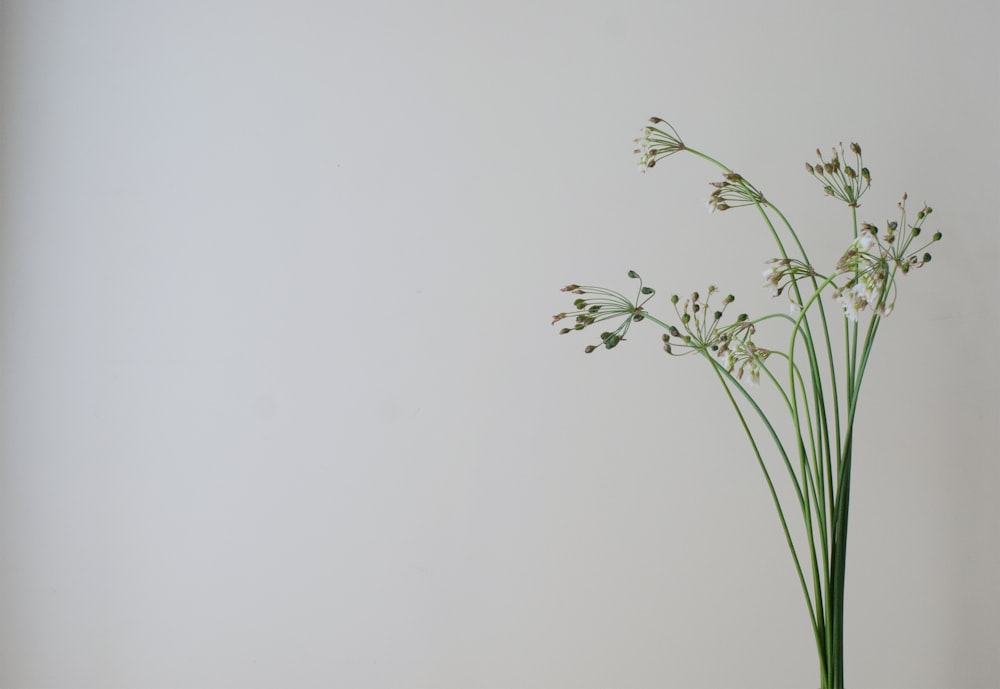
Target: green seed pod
(632, 274)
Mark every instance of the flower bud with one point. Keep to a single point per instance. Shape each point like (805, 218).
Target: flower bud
(674, 298)
(937, 236)
(927, 258)
(589, 348)
(855, 149)
(632, 274)
(648, 290)
(570, 288)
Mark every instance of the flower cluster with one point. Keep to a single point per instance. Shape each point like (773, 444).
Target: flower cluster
(842, 181)
(872, 261)
(655, 143)
(599, 304)
(703, 331)
(732, 192)
(782, 272)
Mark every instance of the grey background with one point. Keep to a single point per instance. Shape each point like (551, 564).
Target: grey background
(280, 401)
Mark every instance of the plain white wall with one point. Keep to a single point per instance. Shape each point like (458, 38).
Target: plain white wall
(281, 405)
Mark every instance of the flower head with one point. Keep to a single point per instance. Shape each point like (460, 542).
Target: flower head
(732, 192)
(655, 143)
(598, 304)
(872, 261)
(840, 180)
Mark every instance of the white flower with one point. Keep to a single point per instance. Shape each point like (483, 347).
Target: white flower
(851, 306)
(771, 278)
(794, 308)
(865, 241)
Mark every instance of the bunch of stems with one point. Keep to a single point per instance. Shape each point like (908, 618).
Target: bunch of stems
(818, 386)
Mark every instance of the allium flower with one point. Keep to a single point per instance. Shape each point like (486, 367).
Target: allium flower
(781, 272)
(733, 192)
(654, 143)
(703, 331)
(871, 263)
(842, 181)
(602, 304)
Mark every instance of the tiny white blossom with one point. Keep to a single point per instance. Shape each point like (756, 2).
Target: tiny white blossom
(865, 241)
(851, 306)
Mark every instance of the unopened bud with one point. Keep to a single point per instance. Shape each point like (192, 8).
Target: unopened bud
(589, 348)
(927, 258)
(855, 149)
(916, 232)
(810, 169)
(648, 290)
(937, 236)
(570, 288)
(612, 341)
(742, 317)
(565, 330)
(718, 315)
(655, 120)
(674, 298)
(632, 274)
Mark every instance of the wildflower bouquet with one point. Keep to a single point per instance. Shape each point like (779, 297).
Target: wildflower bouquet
(817, 375)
